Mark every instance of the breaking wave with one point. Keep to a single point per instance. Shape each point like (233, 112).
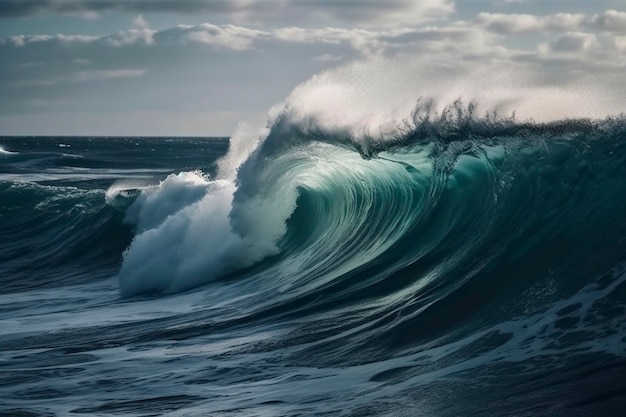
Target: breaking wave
(453, 191)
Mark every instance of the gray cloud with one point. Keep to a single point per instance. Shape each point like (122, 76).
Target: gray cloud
(619, 43)
(366, 12)
(220, 37)
(610, 21)
(571, 42)
(20, 8)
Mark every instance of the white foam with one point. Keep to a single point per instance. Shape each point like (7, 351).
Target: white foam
(185, 237)
(156, 202)
(374, 98)
(5, 152)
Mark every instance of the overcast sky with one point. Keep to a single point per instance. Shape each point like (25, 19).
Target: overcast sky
(198, 67)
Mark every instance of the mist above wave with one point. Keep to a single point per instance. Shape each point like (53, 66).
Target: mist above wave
(375, 98)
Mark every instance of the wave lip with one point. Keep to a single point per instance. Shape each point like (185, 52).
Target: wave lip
(5, 152)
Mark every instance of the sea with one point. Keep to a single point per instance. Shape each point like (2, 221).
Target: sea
(464, 266)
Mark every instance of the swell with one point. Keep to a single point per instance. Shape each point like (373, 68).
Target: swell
(456, 193)
(54, 235)
(453, 251)
(102, 155)
(60, 225)
(427, 242)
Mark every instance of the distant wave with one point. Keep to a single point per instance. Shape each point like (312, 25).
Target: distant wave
(5, 152)
(67, 229)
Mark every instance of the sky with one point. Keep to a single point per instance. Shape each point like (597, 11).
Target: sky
(202, 67)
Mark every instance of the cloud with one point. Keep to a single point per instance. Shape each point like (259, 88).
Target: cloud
(609, 21)
(366, 12)
(367, 42)
(523, 23)
(571, 42)
(328, 58)
(244, 68)
(129, 37)
(374, 13)
(478, 38)
(83, 77)
(122, 38)
(228, 36)
(620, 43)
(22, 40)
(104, 75)
(225, 37)
(454, 39)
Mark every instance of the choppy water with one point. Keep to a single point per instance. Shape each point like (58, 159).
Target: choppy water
(466, 267)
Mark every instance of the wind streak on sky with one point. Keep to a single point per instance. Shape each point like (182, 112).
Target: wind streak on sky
(200, 67)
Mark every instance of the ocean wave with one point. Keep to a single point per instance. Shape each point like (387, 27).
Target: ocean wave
(318, 204)
(51, 233)
(5, 152)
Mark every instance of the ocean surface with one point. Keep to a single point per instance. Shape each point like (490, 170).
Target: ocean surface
(465, 267)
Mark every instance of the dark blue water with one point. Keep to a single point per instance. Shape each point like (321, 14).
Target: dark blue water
(466, 267)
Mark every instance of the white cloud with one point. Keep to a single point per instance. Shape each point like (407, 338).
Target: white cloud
(609, 21)
(523, 23)
(22, 40)
(365, 41)
(231, 37)
(129, 37)
(232, 67)
(227, 37)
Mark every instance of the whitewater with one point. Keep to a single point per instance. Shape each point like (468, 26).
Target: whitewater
(453, 248)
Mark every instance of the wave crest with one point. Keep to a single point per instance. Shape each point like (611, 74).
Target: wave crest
(318, 201)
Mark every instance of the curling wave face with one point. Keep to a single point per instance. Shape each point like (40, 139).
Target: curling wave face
(449, 194)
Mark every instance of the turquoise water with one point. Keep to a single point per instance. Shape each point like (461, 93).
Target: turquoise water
(465, 267)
